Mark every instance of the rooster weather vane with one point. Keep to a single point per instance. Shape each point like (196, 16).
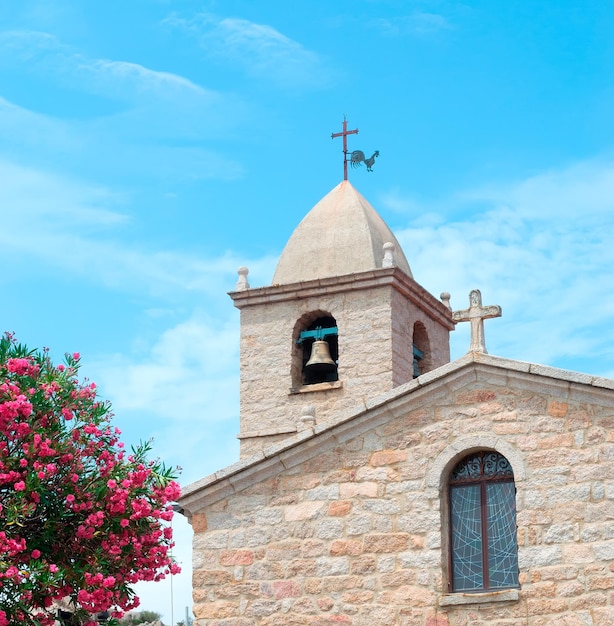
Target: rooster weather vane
(357, 157)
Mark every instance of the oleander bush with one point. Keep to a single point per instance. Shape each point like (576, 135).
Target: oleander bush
(81, 519)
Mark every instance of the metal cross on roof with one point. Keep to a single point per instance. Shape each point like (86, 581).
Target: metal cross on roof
(344, 133)
(476, 314)
(357, 157)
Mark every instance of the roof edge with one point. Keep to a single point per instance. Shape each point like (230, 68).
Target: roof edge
(394, 276)
(271, 461)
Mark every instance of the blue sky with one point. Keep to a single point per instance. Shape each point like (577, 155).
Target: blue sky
(149, 148)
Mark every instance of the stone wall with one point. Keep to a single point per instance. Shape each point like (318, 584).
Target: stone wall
(353, 535)
(403, 320)
(371, 348)
(267, 346)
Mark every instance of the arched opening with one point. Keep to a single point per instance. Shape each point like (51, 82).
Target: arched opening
(483, 550)
(316, 363)
(421, 350)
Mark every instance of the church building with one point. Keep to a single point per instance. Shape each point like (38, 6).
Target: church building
(381, 484)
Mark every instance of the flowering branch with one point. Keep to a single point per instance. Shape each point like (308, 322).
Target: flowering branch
(81, 519)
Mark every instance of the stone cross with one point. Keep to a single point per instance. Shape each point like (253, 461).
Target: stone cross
(476, 314)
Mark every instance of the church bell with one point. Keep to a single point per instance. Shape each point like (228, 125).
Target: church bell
(320, 365)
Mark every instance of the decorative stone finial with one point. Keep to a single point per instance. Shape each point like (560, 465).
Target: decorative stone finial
(445, 298)
(242, 283)
(388, 260)
(308, 416)
(476, 314)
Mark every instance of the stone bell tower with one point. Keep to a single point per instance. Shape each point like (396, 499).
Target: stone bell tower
(343, 321)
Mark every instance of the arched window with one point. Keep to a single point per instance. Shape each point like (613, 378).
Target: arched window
(317, 350)
(421, 350)
(482, 505)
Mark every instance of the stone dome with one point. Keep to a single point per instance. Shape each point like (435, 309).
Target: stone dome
(342, 234)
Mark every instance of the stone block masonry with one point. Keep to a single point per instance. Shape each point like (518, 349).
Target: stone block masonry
(376, 318)
(359, 537)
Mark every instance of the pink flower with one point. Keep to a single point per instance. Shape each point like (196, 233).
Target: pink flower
(108, 582)
(20, 366)
(55, 435)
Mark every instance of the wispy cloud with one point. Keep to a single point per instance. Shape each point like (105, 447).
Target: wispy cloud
(186, 377)
(41, 52)
(44, 215)
(22, 130)
(154, 129)
(541, 248)
(34, 200)
(579, 190)
(145, 79)
(259, 49)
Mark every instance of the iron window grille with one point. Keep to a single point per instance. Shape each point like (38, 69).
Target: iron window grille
(482, 504)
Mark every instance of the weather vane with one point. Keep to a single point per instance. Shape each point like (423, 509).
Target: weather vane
(357, 156)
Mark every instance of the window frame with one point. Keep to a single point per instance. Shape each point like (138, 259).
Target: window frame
(483, 481)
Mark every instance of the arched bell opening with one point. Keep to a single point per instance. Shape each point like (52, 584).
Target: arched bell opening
(317, 350)
(421, 349)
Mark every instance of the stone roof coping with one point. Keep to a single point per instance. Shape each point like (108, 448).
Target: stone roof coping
(388, 276)
(306, 443)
